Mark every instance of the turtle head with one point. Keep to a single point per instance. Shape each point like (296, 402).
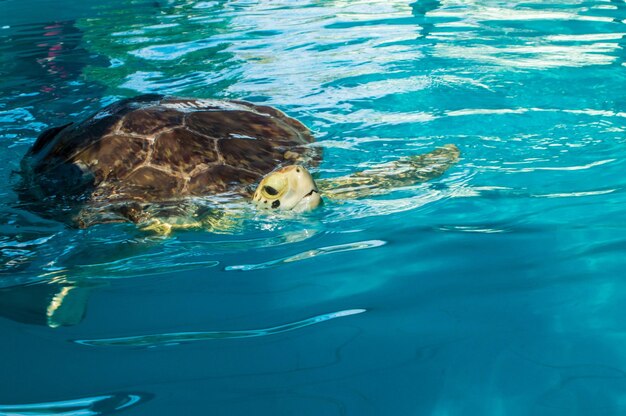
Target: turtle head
(291, 188)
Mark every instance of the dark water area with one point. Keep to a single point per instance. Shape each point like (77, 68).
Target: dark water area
(495, 289)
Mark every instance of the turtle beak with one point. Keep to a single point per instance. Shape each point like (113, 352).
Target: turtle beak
(309, 202)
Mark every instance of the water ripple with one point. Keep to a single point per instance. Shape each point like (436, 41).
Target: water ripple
(84, 406)
(309, 254)
(175, 338)
(177, 258)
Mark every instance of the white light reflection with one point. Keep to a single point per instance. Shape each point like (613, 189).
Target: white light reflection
(86, 406)
(174, 338)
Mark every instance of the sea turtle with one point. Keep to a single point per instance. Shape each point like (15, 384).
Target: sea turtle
(151, 160)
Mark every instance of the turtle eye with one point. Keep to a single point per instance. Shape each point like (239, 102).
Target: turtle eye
(270, 191)
(273, 186)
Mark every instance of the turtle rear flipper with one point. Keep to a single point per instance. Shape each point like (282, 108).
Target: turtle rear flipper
(67, 306)
(388, 176)
(47, 304)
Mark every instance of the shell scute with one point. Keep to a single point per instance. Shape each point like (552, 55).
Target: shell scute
(255, 155)
(150, 120)
(181, 150)
(114, 156)
(74, 139)
(149, 183)
(219, 179)
(247, 124)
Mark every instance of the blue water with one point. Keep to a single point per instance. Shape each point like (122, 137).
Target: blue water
(496, 289)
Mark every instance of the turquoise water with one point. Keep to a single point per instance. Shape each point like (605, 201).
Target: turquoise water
(493, 290)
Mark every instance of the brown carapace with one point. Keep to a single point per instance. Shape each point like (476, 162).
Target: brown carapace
(155, 150)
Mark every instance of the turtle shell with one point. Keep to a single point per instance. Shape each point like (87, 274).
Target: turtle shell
(152, 149)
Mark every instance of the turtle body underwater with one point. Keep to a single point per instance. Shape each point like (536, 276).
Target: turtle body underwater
(151, 159)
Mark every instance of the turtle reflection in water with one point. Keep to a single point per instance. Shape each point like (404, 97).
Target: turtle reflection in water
(151, 159)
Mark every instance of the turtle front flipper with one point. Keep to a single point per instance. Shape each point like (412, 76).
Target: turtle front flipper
(218, 221)
(388, 176)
